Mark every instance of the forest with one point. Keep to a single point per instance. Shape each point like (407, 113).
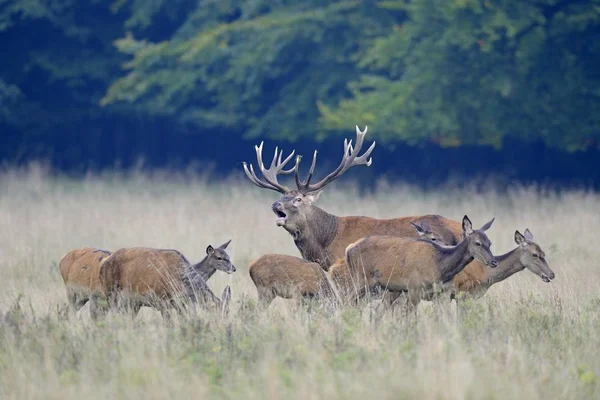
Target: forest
(511, 86)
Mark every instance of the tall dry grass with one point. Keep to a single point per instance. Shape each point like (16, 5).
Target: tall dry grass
(524, 339)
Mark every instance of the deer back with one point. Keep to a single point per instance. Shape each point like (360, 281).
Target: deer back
(144, 271)
(352, 229)
(402, 262)
(80, 267)
(288, 275)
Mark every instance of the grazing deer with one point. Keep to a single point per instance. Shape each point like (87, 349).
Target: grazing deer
(136, 277)
(322, 237)
(79, 269)
(279, 275)
(416, 266)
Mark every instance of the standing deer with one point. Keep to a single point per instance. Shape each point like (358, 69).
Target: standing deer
(322, 237)
(79, 269)
(279, 275)
(476, 279)
(159, 278)
(416, 266)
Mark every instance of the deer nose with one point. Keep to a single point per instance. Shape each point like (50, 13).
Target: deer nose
(277, 206)
(494, 263)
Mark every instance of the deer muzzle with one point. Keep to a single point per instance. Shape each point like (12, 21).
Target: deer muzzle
(277, 208)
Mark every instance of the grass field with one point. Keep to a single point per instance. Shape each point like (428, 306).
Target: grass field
(525, 339)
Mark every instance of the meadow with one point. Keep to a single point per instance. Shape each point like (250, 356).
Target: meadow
(523, 339)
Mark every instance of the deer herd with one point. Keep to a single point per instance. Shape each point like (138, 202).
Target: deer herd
(344, 259)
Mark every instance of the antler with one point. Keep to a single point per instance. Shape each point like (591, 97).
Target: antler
(270, 174)
(349, 160)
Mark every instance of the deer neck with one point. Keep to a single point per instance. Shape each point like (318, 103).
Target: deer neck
(203, 269)
(508, 265)
(453, 260)
(314, 238)
(194, 281)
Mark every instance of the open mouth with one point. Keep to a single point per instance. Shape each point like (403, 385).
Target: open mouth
(281, 217)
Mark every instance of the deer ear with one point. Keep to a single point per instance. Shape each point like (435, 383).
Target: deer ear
(224, 245)
(488, 225)
(420, 230)
(313, 196)
(467, 225)
(520, 239)
(210, 250)
(528, 235)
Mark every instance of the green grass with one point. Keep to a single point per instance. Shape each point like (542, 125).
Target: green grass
(524, 339)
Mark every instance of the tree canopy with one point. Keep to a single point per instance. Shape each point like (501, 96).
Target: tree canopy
(447, 72)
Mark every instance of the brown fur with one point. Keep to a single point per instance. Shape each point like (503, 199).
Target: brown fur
(415, 266)
(351, 229)
(79, 269)
(145, 277)
(279, 275)
(351, 286)
(470, 280)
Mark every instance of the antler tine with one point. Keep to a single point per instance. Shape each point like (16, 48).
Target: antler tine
(271, 173)
(284, 163)
(252, 176)
(302, 186)
(350, 159)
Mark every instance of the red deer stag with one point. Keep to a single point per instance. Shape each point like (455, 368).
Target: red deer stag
(322, 237)
(160, 278)
(416, 266)
(79, 269)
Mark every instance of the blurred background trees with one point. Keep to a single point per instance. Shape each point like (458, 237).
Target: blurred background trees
(84, 84)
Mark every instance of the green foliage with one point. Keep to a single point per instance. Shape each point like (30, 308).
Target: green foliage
(257, 66)
(473, 72)
(449, 72)
(61, 60)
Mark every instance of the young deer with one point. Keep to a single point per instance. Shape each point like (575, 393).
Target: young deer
(322, 237)
(79, 269)
(279, 275)
(159, 278)
(476, 279)
(415, 266)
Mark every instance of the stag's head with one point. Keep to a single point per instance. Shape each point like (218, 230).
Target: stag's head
(478, 243)
(532, 256)
(219, 259)
(295, 206)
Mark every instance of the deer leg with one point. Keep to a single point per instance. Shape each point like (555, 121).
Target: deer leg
(76, 301)
(98, 307)
(134, 309)
(265, 298)
(166, 314)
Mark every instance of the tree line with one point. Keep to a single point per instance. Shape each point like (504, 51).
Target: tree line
(127, 74)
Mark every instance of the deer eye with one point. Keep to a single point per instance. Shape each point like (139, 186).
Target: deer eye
(433, 239)
(219, 258)
(477, 243)
(535, 255)
(298, 200)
